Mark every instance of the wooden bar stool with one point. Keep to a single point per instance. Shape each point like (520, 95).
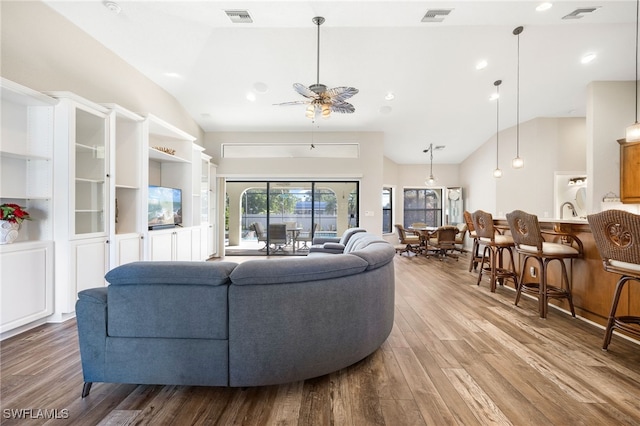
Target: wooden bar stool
(494, 246)
(475, 251)
(530, 244)
(617, 237)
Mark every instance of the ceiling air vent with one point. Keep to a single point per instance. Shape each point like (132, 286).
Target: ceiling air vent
(436, 15)
(239, 16)
(579, 13)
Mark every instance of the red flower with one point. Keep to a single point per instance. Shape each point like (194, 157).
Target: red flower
(13, 213)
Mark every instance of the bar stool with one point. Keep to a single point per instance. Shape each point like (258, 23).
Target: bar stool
(494, 245)
(530, 244)
(475, 255)
(617, 237)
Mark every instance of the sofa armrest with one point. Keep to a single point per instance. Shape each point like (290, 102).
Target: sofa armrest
(322, 240)
(332, 248)
(91, 318)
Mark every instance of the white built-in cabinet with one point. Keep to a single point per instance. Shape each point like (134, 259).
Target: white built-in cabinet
(83, 170)
(181, 169)
(81, 198)
(128, 210)
(26, 167)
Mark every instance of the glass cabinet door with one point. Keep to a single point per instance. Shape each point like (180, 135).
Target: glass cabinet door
(90, 173)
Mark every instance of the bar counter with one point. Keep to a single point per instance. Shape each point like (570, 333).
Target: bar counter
(592, 287)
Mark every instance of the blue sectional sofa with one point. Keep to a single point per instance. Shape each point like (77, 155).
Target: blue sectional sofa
(261, 322)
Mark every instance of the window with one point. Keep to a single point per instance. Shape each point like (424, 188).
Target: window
(386, 210)
(423, 205)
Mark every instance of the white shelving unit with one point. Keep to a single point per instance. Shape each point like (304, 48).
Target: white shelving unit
(26, 167)
(102, 159)
(179, 170)
(82, 198)
(128, 212)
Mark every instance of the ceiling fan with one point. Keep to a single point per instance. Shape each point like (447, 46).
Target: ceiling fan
(320, 100)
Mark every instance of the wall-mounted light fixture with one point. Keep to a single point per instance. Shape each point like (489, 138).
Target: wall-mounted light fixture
(518, 162)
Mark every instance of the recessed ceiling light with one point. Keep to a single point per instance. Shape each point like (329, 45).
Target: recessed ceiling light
(544, 6)
(481, 64)
(588, 57)
(112, 6)
(251, 97)
(172, 75)
(389, 96)
(260, 87)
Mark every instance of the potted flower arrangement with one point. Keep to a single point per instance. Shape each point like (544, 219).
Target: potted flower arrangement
(11, 216)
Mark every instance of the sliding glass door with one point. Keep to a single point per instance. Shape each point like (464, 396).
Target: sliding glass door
(281, 217)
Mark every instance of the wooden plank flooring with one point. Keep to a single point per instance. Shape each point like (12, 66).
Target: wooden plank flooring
(457, 355)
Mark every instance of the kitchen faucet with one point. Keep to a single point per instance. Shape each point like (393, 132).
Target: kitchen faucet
(571, 207)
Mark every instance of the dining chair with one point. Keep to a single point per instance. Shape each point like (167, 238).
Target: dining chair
(442, 242)
(617, 237)
(407, 243)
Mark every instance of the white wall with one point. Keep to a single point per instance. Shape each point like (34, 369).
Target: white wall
(44, 51)
(609, 111)
(368, 168)
(546, 145)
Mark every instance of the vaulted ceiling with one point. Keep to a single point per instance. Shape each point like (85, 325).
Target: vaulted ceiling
(228, 76)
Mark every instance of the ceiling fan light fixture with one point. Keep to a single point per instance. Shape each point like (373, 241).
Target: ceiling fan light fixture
(321, 100)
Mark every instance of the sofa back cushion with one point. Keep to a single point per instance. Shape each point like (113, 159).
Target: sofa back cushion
(296, 269)
(169, 300)
(346, 236)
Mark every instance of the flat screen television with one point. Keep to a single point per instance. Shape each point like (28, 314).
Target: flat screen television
(164, 207)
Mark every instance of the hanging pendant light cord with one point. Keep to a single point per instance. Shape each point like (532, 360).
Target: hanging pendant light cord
(431, 167)
(497, 83)
(318, 22)
(637, 19)
(518, 102)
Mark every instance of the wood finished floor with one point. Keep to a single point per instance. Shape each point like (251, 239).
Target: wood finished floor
(457, 355)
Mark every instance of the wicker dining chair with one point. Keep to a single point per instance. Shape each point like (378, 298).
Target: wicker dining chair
(617, 237)
(408, 243)
(531, 245)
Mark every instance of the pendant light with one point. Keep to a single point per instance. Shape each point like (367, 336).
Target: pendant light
(518, 163)
(633, 131)
(430, 180)
(497, 173)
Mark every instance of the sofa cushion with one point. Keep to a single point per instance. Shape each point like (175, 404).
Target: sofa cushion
(297, 269)
(360, 241)
(346, 236)
(196, 273)
(376, 254)
(143, 297)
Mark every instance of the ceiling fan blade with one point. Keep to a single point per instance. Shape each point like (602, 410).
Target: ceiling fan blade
(342, 93)
(305, 91)
(294, 103)
(342, 107)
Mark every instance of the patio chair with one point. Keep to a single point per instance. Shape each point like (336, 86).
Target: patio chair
(260, 233)
(277, 235)
(307, 237)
